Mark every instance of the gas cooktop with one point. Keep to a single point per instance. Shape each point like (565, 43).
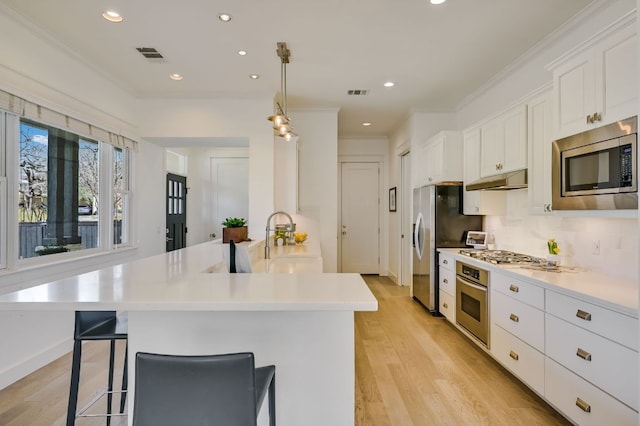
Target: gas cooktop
(500, 257)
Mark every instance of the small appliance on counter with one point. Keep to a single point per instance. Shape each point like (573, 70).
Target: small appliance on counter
(477, 239)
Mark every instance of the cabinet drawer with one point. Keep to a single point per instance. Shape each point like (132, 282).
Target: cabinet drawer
(521, 359)
(606, 364)
(446, 260)
(519, 290)
(613, 325)
(447, 280)
(524, 321)
(448, 306)
(565, 391)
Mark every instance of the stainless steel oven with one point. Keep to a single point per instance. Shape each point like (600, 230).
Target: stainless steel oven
(472, 310)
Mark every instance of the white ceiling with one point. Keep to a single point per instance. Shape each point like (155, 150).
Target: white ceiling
(436, 55)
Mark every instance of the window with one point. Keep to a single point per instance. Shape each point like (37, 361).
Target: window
(59, 191)
(121, 196)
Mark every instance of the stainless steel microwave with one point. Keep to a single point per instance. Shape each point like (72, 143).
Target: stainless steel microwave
(597, 169)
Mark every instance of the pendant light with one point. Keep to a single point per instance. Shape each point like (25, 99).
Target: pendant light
(281, 122)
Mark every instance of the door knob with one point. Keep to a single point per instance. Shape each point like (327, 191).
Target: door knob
(344, 232)
(344, 226)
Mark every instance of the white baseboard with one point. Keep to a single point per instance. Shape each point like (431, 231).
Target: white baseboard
(39, 360)
(393, 277)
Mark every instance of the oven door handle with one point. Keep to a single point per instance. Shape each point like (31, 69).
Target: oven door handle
(471, 284)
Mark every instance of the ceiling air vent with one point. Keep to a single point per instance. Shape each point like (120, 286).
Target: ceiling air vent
(357, 92)
(151, 54)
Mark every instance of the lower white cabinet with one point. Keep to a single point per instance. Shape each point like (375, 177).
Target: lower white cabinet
(519, 319)
(582, 402)
(521, 359)
(448, 306)
(612, 367)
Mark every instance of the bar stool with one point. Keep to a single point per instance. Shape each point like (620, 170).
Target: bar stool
(202, 390)
(96, 325)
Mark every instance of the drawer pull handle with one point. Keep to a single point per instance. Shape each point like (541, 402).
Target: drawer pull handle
(583, 405)
(583, 354)
(514, 355)
(514, 288)
(514, 318)
(583, 315)
(446, 281)
(445, 305)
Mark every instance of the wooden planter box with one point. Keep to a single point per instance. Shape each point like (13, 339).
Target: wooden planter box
(238, 235)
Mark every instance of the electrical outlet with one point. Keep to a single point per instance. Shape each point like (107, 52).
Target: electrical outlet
(596, 247)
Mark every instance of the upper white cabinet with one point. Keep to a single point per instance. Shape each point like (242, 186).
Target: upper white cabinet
(439, 159)
(596, 84)
(503, 143)
(539, 145)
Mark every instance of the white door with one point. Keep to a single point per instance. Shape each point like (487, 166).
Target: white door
(406, 222)
(360, 223)
(229, 191)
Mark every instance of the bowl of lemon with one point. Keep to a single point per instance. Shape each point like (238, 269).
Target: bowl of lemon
(299, 237)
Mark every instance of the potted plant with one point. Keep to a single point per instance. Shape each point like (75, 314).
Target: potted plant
(234, 229)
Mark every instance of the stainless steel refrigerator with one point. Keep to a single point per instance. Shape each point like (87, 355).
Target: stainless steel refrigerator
(438, 222)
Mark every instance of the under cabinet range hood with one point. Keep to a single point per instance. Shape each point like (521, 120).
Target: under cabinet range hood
(511, 180)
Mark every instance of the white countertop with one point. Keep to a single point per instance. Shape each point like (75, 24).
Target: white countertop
(600, 289)
(180, 280)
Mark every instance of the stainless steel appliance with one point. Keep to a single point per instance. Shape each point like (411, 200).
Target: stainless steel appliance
(597, 169)
(472, 310)
(438, 223)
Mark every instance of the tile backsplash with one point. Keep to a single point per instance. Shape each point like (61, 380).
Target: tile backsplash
(577, 237)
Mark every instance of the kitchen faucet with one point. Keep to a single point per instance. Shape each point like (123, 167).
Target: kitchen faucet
(292, 228)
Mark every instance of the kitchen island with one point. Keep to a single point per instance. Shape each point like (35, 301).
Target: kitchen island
(302, 322)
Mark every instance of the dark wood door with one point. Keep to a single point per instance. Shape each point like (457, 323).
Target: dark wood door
(176, 212)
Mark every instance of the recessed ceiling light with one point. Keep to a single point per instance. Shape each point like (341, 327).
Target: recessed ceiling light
(437, 1)
(176, 77)
(242, 52)
(112, 16)
(366, 124)
(389, 84)
(254, 76)
(224, 17)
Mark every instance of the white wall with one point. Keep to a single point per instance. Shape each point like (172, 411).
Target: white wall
(220, 118)
(318, 179)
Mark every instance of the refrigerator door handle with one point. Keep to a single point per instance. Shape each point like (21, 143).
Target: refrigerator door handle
(419, 242)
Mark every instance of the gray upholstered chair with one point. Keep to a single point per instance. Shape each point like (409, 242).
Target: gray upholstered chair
(201, 390)
(96, 325)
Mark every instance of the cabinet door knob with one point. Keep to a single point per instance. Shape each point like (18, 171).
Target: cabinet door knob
(583, 315)
(444, 305)
(514, 318)
(583, 354)
(445, 261)
(514, 288)
(514, 355)
(597, 116)
(446, 281)
(589, 119)
(583, 405)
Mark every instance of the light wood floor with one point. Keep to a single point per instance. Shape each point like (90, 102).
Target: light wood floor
(416, 369)
(411, 369)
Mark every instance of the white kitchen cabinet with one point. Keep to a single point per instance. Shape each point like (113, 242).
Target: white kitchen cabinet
(521, 359)
(447, 286)
(582, 402)
(477, 202)
(597, 83)
(610, 366)
(503, 143)
(521, 320)
(439, 159)
(539, 133)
